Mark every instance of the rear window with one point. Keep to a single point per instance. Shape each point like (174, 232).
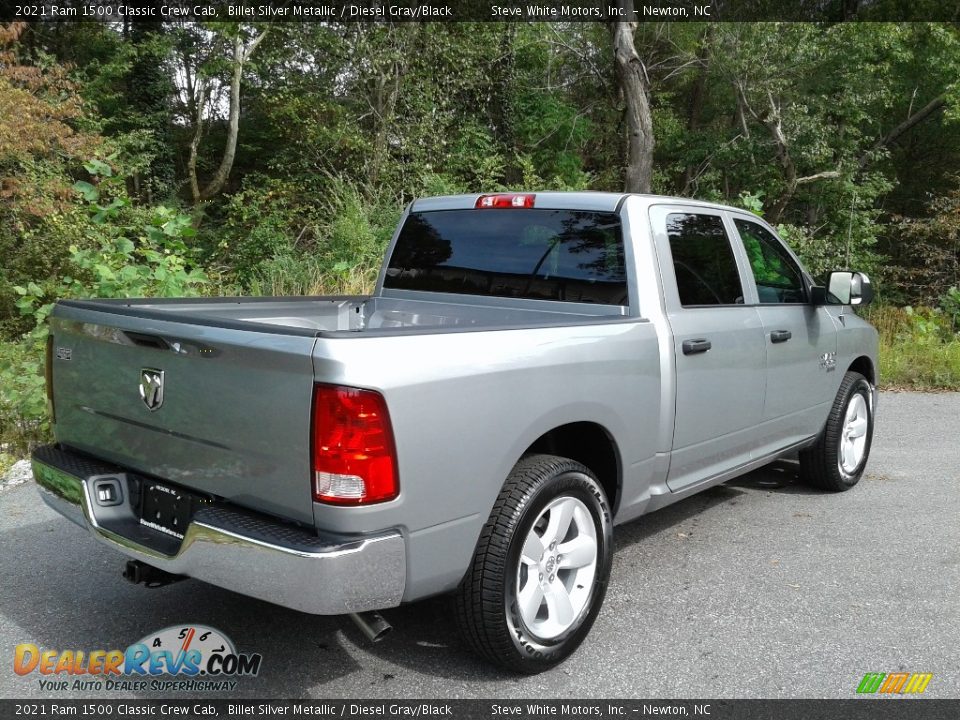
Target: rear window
(703, 260)
(569, 255)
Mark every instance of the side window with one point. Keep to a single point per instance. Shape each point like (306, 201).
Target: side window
(779, 279)
(703, 260)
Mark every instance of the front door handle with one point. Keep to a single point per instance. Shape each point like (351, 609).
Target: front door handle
(692, 347)
(779, 336)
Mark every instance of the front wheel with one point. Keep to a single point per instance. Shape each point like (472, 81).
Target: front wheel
(540, 571)
(837, 461)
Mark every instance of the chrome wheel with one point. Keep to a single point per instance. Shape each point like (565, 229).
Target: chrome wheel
(853, 442)
(558, 563)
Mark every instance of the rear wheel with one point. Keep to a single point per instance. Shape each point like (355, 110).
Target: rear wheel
(540, 571)
(837, 461)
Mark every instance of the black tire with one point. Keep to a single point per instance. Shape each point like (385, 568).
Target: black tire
(486, 601)
(820, 464)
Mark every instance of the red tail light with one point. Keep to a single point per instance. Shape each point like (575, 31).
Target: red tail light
(506, 200)
(354, 458)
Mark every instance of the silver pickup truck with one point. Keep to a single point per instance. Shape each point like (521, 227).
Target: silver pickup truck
(531, 370)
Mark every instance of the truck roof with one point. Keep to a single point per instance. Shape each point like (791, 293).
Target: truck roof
(551, 200)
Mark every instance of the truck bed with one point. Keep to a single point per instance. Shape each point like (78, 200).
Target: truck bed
(324, 315)
(240, 375)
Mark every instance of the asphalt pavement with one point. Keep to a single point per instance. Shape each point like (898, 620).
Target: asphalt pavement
(756, 588)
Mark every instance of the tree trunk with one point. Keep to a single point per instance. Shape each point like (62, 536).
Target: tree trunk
(195, 142)
(632, 77)
(386, 93)
(695, 104)
(241, 55)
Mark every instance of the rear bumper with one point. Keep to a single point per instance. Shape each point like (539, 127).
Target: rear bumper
(245, 552)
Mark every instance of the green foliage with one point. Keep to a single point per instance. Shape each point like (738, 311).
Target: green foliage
(950, 304)
(924, 253)
(260, 223)
(44, 136)
(23, 407)
(338, 250)
(475, 156)
(751, 201)
(127, 252)
(816, 251)
(354, 228)
(287, 275)
(919, 347)
(131, 252)
(6, 459)
(276, 242)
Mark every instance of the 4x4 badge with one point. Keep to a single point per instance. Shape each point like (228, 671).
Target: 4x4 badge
(828, 361)
(151, 388)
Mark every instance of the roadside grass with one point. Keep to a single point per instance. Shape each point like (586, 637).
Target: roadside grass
(290, 276)
(909, 367)
(6, 462)
(919, 349)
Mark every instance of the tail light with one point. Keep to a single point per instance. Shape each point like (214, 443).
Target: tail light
(48, 377)
(506, 200)
(354, 458)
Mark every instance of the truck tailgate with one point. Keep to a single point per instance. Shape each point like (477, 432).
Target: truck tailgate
(232, 418)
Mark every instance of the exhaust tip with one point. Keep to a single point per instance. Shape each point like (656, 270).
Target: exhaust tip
(139, 572)
(372, 625)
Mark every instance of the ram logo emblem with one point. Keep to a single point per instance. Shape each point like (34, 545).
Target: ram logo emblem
(151, 388)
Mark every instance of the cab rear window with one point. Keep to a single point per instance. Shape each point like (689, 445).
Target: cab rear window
(565, 255)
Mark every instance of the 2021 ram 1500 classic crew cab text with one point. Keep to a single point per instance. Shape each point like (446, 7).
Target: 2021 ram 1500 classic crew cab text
(531, 370)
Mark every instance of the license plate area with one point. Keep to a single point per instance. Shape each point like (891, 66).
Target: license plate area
(168, 509)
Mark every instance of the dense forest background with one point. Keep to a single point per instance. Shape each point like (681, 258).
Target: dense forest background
(224, 158)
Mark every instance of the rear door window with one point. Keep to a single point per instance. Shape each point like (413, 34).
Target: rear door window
(703, 260)
(567, 255)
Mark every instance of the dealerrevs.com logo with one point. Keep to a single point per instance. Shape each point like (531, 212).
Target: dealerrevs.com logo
(181, 657)
(899, 683)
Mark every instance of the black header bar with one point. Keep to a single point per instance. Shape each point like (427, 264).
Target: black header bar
(576, 709)
(338, 11)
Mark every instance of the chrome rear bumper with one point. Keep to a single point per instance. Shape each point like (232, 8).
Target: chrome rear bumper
(245, 552)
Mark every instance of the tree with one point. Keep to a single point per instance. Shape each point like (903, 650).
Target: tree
(148, 91)
(635, 86)
(44, 139)
(926, 260)
(199, 80)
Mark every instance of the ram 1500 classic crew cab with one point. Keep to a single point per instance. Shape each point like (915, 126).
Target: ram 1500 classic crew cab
(531, 370)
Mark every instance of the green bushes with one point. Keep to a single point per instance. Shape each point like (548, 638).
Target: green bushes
(919, 347)
(325, 240)
(126, 251)
(259, 223)
(275, 243)
(23, 407)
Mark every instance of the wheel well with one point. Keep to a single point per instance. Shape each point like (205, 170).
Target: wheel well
(589, 444)
(864, 366)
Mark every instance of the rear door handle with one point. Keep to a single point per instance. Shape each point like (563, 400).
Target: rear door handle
(692, 347)
(779, 336)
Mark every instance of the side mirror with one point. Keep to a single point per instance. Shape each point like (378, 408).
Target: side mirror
(845, 288)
